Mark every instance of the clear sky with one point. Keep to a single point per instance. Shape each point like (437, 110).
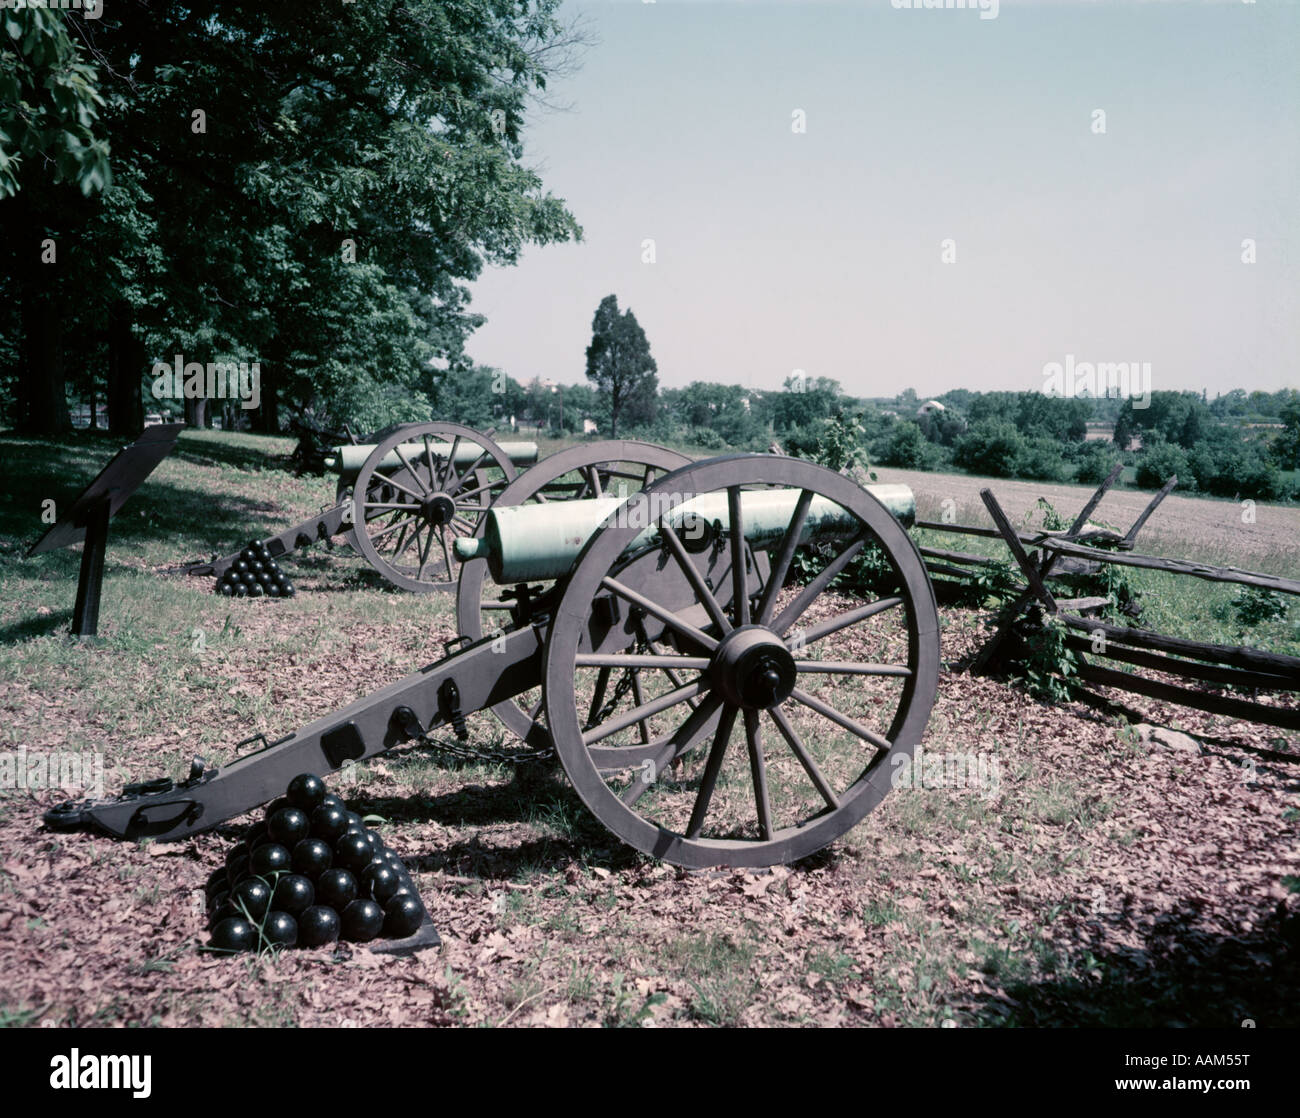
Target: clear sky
(821, 251)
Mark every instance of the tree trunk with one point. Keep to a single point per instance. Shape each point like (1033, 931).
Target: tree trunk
(196, 412)
(126, 357)
(266, 418)
(42, 395)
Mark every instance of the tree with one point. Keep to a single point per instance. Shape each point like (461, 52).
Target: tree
(620, 366)
(52, 155)
(322, 191)
(1286, 447)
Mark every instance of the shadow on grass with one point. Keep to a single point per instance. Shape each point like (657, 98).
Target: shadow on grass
(1181, 976)
(32, 627)
(532, 796)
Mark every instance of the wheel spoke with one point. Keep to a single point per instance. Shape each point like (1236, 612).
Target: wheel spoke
(842, 621)
(805, 758)
(712, 767)
(655, 610)
(617, 660)
(598, 698)
(428, 461)
(789, 544)
(450, 469)
(418, 498)
(466, 494)
(693, 576)
(841, 720)
(758, 771)
(794, 610)
(739, 583)
(397, 522)
(424, 554)
(399, 538)
(446, 555)
(593, 476)
(645, 710)
(688, 733)
(415, 535)
(638, 697)
(473, 468)
(415, 477)
(849, 667)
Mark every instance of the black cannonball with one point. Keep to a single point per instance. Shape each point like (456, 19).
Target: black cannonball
(218, 882)
(240, 564)
(384, 884)
(312, 857)
(272, 591)
(331, 800)
(248, 579)
(236, 869)
(328, 823)
(277, 804)
(234, 934)
(403, 916)
(281, 929)
(269, 860)
(318, 926)
(289, 591)
(223, 911)
(306, 791)
(376, 841)
(239, 590)
(336, 888)
(293, 894)
(218, 899)
(262, 839)
(252, 898)
(256, 566)
(288, 826)
(375, 867)
(352, 852)
(354, 822)
(257, 590)
(362, 921)
(225, 589)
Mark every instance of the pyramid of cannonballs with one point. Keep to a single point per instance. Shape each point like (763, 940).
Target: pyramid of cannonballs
(308, 874)
(255, 575)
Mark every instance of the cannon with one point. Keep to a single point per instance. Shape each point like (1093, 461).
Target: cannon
(699, 609)
(413, 491)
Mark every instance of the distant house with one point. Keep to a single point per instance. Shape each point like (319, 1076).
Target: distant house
(930, 407)
(589, 427)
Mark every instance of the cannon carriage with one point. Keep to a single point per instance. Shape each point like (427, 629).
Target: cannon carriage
(707, 707)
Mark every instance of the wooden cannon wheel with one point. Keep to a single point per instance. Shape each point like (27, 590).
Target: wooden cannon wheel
(600, 469)
(844, 690)
(405, 516)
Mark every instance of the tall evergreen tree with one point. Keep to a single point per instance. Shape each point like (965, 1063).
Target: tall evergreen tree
(620, 365)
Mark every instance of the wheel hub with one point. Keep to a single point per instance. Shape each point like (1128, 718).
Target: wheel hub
(753, 668)
(438, 508)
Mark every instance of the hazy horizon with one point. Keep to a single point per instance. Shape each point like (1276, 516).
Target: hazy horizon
(820, 251)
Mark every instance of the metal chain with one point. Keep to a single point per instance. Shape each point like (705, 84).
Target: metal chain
(485, 753)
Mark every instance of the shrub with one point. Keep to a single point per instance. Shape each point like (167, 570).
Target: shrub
(992, 447)
(906, 446)
(1094, 461)
(1159, 460)
(1254, 605)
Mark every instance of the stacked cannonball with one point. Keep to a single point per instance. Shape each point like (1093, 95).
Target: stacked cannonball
(308, 874)
(255, 575)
